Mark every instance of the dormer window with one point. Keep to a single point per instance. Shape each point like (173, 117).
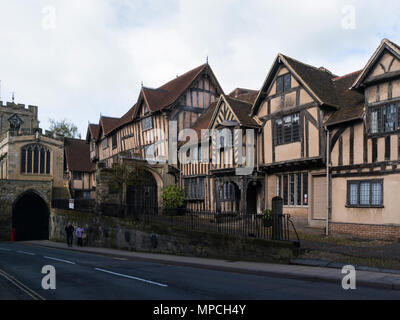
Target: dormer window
(283, 83)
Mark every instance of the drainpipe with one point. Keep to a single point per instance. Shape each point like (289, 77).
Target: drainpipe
(328, 147)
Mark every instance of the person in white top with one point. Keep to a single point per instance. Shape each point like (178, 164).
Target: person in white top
(79, 234)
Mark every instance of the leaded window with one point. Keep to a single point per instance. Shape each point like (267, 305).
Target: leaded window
(287, 129)
(384, 119)
(293, 188)
(35, 159)
(365, 193)
(194, 188)
(147, 123)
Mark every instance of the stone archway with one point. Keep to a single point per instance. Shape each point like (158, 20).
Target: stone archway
(144, 197)
(30, 217)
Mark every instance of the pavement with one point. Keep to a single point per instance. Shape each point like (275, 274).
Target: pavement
(106, 274)
(372, 278)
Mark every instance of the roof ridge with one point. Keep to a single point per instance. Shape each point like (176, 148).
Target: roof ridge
(346, 75)
(201, 67)
(237, 99)
(321, 69)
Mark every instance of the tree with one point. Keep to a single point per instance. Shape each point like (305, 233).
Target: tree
(124, 175)
(64, 128)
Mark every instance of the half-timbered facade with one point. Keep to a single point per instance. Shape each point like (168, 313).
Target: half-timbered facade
(292, 105)
(148, 130)
(365, 149)
(224, 176)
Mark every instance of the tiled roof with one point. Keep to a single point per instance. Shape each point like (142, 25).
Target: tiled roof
(94, 130)
(242, 110)
(319, 80)
(351, 102)
(77, 155)
(166, 95)
(203, 122)
(246, 95)
(108, 124)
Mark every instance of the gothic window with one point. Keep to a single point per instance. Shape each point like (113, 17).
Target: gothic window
(35, 159)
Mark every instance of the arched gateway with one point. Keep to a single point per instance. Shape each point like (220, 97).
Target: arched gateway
(30, 217)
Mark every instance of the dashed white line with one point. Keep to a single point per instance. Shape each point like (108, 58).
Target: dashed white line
(27, 253)
(130, 277)
(4, 249)
(60, 260)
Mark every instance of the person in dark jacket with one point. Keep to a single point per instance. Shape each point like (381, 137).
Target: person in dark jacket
(69, 230)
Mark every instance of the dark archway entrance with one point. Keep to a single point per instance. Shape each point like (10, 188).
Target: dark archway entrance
(143, 197)
(30, 218)
(252, 192)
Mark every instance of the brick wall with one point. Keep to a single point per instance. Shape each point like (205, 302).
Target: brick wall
(363, 231)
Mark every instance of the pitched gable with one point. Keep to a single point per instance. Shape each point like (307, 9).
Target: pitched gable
(384, 64)
(315, 82)
(232, 111)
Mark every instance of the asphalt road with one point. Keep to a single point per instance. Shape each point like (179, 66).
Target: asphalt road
(81, 276)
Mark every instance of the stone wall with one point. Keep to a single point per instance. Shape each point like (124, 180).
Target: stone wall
(123, 234)
(10, 190)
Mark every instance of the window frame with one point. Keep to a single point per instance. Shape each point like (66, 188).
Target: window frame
(281, 129)
(35, 160)
(358, 183)
(285, 81)
(114, 141)
(381, 119)
(299, 184)
(150, 122)
(194, 189)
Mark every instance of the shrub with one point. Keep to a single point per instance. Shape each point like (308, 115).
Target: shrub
(173, 197)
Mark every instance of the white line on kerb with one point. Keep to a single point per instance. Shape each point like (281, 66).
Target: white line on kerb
(130, 277)
(60, 260)
(28, 253)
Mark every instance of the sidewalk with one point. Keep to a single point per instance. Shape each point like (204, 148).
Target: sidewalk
(364, 278)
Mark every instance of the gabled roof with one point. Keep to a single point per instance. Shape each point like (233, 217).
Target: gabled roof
(93, 131)
(317, 81)
(351, 102)
(242, 110)
(246, 95)
(203, 122)
(385, 45)
(77, 155)
(108, 124)
(166, 95)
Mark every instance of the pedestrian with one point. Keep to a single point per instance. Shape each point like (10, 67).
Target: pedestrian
(69, 230)
(79, 234)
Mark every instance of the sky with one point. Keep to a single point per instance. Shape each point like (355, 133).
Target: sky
(79, 59)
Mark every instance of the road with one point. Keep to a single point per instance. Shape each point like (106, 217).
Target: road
(81, 276)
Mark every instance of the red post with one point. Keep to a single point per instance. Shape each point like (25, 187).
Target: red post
(13, 235)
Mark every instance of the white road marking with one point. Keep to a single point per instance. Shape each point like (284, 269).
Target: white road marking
(28, 253)
(130, 277)
(4, 249)
(60, 260)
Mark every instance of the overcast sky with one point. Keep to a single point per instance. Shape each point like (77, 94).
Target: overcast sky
(77, 59)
